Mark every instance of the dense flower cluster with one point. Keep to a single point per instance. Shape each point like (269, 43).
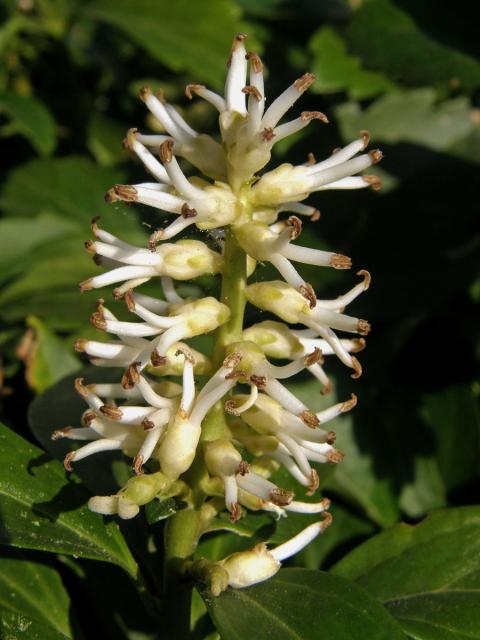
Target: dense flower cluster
(155, 420)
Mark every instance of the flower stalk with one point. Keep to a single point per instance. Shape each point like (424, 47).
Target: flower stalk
(179, 414)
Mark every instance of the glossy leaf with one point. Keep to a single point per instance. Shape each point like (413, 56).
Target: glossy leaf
(157, 510)
(427, 575)
(388, 40)
(59, 406)
(47, 358)
(298, 603)
(40, 508)
(192, 36)
(32, 119)
(336, 70)
(32, 598)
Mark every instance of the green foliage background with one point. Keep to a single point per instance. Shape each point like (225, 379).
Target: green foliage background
(70, 72)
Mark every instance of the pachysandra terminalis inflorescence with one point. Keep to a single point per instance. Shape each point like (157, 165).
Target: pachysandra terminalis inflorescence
(211, 430)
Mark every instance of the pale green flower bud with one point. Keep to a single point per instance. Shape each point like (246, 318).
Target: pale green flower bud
(285, 183)
(279, 298)
(177, 450)
(247, 568)
(275, 340)
(221, 458)
(202, 316)
(187, 259)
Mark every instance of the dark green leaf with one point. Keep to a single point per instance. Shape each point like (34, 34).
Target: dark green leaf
(182, 35)
(47, 359)
(388, 40)
(427, 575)
(40, 508)
(59, 406)
(31, 594)
(448, 413)
(335, 70)
(298, 604)
(157, 510)
(72, 187)
(31, 118)
(103, 138)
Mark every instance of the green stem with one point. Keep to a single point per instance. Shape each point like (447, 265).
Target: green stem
(181, 535)
(183, 528)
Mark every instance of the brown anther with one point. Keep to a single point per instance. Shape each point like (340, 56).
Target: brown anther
(89, 246)
(316, 357)
(331, 437)
(259, 381)
(326, 502)
(374, 181)
(303, 83)
(186, 353)
(188, 212)
(129, 300)
(182, 414)
(80, 345)
(314, 483)
(267, 134)
(365, 135)
(144, 93)
(252, 91)
(240, 37)
(359, 345)
(60, 433)
(86, 285)
(155, 237)
(88, 417)
(232, 359)
(309, 294)
(367, 278)
(160, 94)
(335, 456)
(281, 497)
(130, 377)
(157, 360)
(315, 215)
(94, 225)
(327, 520)
(243, 468)
(67, 461)
(118, 293)
(193, 88)
(165, 151)
(111, 412)
(137, 465)
(129, 138)
(357, 367)
(235, 375)
(235, 512)
(97, 319)
(309, 418)
(311, 160)
(147, 424)
(295, 225)
(348, 405)
(337, 261)
(230, 407)
(327, 388)
(80, 388)
(364, 327)
(124, 192)
(308, 116)
(375, 156)
(255, 62)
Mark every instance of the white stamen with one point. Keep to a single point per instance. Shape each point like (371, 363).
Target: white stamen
(298, 542)
(236, 77)
(169, 291)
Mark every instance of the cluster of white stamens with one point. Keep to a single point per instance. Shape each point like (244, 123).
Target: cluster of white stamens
(159, 422)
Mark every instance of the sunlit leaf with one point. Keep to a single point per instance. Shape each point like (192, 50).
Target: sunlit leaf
(33, 599)
(298, 603)
(336, 70)
(388, 40)
(182, 35)
(428, 575)
(42, 509)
